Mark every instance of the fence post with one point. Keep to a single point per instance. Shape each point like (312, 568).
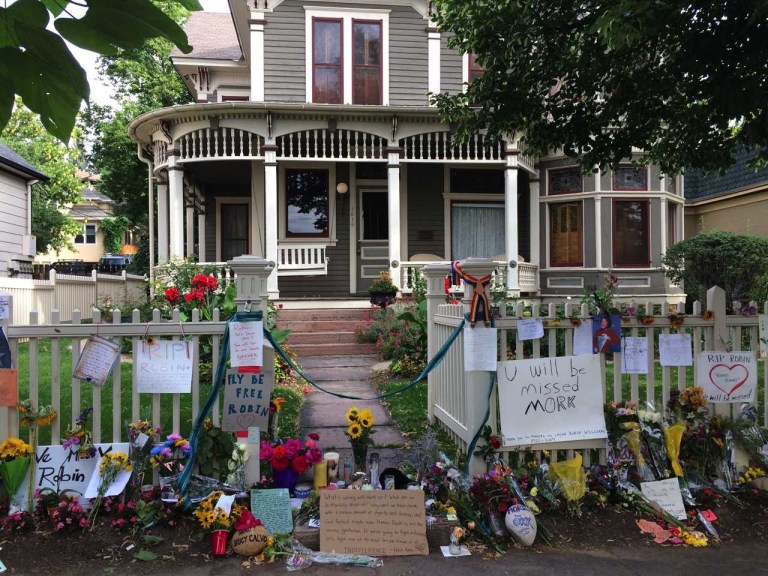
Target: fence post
(720, 336)
(435, 275)
(7, 413)
(251, 273)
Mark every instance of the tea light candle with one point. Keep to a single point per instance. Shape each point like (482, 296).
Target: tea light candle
(332, 458)
(321, 475)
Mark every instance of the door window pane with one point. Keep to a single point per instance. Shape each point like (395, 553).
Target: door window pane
(477, 230)
(307, 202)
(375, 215)
(566, 234)
(631, 244)
(233, 228)
(366, 62)
(326, 56)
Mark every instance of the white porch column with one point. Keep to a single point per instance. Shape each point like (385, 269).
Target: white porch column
(598, 221)
(535, 216)
(176, 207)
(510, 216)
(271, 213)
(190, 230)
(201, 256)
(664, 226)
(393, 206)
(162, 222)
(433, 55)
(256, 24)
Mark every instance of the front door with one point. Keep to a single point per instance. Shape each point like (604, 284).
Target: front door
(373, 244)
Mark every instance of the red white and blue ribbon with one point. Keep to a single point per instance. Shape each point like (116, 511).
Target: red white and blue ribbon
(480, 308)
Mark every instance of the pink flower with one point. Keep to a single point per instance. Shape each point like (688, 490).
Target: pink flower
(310, 444)
(314, 455)
(266, 451)
(60, 526)
(292, 447)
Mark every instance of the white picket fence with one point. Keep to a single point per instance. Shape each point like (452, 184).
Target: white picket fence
(66, 293)
(458, 400)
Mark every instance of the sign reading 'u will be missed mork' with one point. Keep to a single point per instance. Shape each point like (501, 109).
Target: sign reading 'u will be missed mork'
(547, 400)
(246, 398)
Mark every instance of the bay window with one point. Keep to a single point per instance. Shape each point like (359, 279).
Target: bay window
(631, 234)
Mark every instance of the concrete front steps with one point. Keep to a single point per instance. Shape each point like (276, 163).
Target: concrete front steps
(325, 332)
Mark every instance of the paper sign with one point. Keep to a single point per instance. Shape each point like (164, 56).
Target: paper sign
(551, 400)
(373, 522)
(225, 502)
(480, 349)
(96, 360)
(253, 435)
(762, 326)
(529, 328)
(727, 376)
(60, 468)
(273, 508)
(5, 306)
(5, 351)
(582, 338)
(163, 367)
(246, 400)
(114, 489)
(634, 358)
(9, 387)
(446, 551)
(666, 493)
(675, 350)
(246, 340)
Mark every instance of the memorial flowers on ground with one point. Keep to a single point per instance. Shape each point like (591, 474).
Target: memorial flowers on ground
(15, 457)
(77, 437)
(359, 431)
(110, 467)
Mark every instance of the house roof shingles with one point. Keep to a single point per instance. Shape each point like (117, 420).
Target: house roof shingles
(13, 160)
(699, 185)
(212, 37)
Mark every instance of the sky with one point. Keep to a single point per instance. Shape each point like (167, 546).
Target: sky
(100, 92)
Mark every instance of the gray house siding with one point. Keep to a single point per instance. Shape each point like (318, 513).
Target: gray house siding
(284, 54)
(451, 67)
(408, 59)
(426, 221)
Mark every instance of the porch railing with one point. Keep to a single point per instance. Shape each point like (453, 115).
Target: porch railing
(527, 275)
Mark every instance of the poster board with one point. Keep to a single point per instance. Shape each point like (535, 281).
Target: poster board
(386, 522)
(246, 399)
(273, 508)
(96, 360)
(530, 329)
(246, 341)
(480, 349)
(9, 387)
(164, 367)
(548, 400)
(728, 377)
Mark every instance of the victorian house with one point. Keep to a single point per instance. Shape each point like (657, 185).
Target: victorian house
(312, 143)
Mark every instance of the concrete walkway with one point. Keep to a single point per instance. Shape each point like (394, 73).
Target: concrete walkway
(324, 413)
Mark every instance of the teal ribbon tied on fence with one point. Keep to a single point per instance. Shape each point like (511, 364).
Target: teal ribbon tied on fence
(480, 308)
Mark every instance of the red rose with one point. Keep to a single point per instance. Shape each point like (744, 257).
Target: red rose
(503, 507)
(495, 442)
(280, 451)
(279, 463)
(173, 295)
(314, 436)
(300, 464)
(212, 284)
(189, 296)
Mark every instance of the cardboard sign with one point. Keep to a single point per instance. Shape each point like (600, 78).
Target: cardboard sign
(727, 376)
(163, 367)
(246, 400)
(373, 522)
(530, 328)
(551, 400)
(675, 350)
(634, 358)
(582, 338)
(480, 349)
(96, 360)
(665, 493)
(9, 387)
(273, 508)
(60, 468)
(246, 340)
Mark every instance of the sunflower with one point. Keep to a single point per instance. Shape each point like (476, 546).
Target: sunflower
(355, 430)
(366, 418)
(353, 414)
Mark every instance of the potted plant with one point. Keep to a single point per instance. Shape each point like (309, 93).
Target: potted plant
(382, 291)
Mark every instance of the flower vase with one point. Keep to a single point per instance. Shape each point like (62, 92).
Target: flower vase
(360, 456)
(454, 547)
(285, 478)
(168, 488)
(219, 541)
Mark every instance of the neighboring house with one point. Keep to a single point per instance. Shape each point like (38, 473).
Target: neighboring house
(17, 245)
(736, 202)
(312, 143)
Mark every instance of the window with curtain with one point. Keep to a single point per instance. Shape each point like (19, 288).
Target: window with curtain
(566, 234)
(327, 61)
(631, 234)
(306, 195)
(233, 229)
(366, 62)
(477, 230)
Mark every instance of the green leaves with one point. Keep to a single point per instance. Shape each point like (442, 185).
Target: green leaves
(145, 555)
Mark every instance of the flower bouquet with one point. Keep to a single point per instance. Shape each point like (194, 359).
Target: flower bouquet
(290, 459)
(15, 455)
(217, 521)
(33, 419)
(79, 438)
(236, 467)
(142, 436)
(359, 432)
(170, 458)
(111, 466)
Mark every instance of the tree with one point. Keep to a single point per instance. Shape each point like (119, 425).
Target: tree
(735, 262)
(27, 136)
(683, 80)
(36, 64)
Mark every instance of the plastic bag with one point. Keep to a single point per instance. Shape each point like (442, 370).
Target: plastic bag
(303, 557)
(571, 477)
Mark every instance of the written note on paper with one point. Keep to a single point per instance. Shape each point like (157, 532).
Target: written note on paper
(246, 340)
(582, 338)
(480, 349)
(530, 328)
(273, 508)
(634, 358)
(96, 360)
(675, 350)
(666, 493)
(164, 367)
(386, 522)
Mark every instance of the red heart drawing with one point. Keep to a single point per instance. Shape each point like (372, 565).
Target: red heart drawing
(738, 385)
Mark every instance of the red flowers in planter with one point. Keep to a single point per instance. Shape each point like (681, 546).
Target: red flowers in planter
(173, 295)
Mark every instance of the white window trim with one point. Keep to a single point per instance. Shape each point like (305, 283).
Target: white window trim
(282, 232)
(346, 15)
(231, 200)
(236, 92)
(85, 236)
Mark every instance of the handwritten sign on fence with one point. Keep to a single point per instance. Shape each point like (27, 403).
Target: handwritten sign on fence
(675, 350)
(634, 358)
(480, 349)
(246, 340)
(164, 367)
(96, 360)
(386, 522)
(246, 400)
(727, 376)
(551, 400)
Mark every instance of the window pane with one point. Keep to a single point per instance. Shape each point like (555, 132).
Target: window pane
(327, 42)
(475, 70)
(671, 223)
(630, 178)
(366, 63)
(367, 86)
(233, 228)
(367, 43)
(375, 216)
(565, 234)
(631, 245)
(477, 230)
(307, 200)
(327, 85)
(90, 233)
(326, 55)
(567, 181)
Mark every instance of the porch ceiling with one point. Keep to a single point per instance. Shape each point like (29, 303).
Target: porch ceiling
(220, 173)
